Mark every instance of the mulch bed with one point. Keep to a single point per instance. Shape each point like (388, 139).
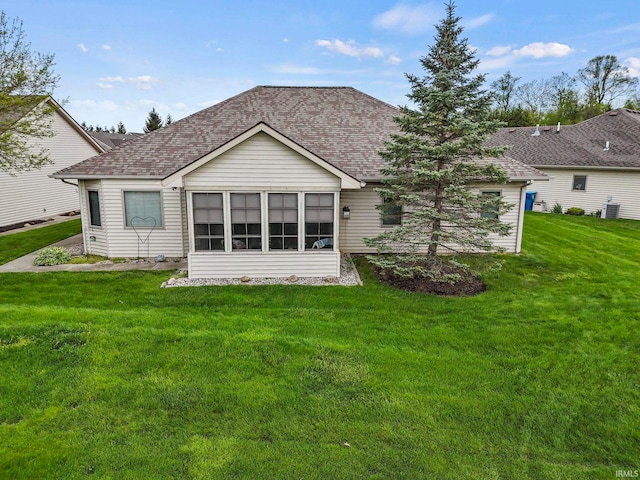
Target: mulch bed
(6, 228)
(469, 285)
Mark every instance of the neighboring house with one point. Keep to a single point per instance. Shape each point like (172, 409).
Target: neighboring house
(260, 185)
(33, 195)
(109, 140)
(588, 163)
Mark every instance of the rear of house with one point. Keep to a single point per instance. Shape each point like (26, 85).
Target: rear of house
(590, 165)
(277, 181)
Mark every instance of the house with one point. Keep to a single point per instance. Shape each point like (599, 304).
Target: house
(109, 140)
(589, 163)
(273, 182)
(33, 195)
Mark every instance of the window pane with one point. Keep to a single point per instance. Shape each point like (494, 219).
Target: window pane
(283, 207)
(201, 229)
(579, 182)
(291, 229)
(253, 228)
(94, 209)
(490, 210)
(143, 209)
(291, 243)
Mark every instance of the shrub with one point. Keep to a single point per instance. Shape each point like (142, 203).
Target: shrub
(52, 256)
(575, 211)
(557, 208)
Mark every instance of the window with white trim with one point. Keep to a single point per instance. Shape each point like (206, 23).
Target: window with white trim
(208, 220)
(283, 221)
(95, 220)
(143, 209)
(391, 213)
(246, 224)
(319, 214)
(491, 206)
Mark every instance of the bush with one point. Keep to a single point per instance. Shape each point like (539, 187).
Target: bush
(557, 208)
(52, 256)
(575, 211)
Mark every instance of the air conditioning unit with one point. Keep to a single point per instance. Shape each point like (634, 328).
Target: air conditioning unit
(610, 210)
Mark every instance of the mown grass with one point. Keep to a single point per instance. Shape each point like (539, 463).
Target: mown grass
(18, 244)
(106, 375)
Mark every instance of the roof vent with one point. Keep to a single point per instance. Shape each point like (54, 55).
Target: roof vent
(558, 128)
(511, 130)
(537, 132)
(606, 147)
(613, 113)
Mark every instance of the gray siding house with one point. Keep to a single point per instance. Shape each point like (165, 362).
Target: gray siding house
(273, 182)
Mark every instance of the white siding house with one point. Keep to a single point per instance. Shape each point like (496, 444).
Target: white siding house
(587, 164)
(33, 195)
(254, 186)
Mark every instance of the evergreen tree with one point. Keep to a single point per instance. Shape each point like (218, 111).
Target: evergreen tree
(435, 162)
(121, 128)
(154, 121)
(169, 120)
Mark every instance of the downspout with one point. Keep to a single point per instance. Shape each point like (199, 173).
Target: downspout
(69, 183)
(520, 224)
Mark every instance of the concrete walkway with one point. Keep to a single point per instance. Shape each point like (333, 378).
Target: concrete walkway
(25, 264)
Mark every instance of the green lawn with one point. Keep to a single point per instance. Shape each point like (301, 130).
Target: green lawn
(105, 375)
(18, 244)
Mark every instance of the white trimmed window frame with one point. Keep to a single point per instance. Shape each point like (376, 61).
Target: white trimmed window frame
(264, 216)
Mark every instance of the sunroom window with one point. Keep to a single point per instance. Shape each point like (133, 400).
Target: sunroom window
(283, 221)
(318, 221)
(208, 219)
(246, 229)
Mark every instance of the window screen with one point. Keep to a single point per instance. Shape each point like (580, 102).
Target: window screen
(94, 209)
(246, 231)
(283, 221)
(208, 221)
(579, 182)
(143, 209)
(318, 220)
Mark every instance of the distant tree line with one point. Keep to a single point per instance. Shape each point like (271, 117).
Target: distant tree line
(563, 98)
(90, 128)
(154, 121)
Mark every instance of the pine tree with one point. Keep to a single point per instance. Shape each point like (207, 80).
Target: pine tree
(169, 120)
(121, 128)
(154, 121)
(436, 161)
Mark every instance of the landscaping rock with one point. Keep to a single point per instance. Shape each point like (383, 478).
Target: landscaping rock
(245, 279)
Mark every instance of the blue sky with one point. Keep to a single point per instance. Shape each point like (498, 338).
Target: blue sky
(118, 59)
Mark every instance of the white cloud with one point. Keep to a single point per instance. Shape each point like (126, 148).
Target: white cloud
(82, 48)
(393, 60)
(285, 40)
(499, 51)
(407, 19)
(633, 64)
(219, 49)
(479, 21)
(90, 105)
(350, 48)
(294, 70)
(542, 50)
(181, 107)
(143, 82)
(117, 79)
(106, 47)
(105, 85)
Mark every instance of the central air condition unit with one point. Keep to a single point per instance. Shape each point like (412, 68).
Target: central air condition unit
(610, 210)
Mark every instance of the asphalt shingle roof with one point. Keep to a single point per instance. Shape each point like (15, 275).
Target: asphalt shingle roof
(341, 125)
(579, 145)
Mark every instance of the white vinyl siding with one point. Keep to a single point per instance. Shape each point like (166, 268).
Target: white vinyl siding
(258, 163)
(33, 195)
(136, 241)
(261, 265)
(94, 237)
(365, 222)
(622, 186)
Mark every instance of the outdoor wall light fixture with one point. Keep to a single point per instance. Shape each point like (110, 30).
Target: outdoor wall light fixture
(346, 212)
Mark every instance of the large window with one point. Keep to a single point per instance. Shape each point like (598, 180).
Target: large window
(208, 219)
(94, 209)
(490, 208)
(246, 231)
(579, 182)
(283, 221)
(318, 220)
(143, 209)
